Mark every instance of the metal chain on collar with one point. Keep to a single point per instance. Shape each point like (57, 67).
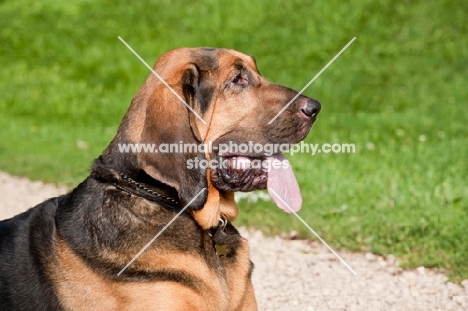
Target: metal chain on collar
(140, 186)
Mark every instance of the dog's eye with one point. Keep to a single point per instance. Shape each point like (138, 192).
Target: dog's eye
(240, 79)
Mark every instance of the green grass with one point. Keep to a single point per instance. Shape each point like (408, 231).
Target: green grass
(66, 81)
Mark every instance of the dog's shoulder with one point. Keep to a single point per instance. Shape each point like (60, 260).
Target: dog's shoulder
(16, 231)
(23, 270)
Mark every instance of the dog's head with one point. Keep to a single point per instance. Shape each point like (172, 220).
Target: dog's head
(215, 97)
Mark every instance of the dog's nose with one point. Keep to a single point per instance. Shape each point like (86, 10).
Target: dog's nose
(311, 108)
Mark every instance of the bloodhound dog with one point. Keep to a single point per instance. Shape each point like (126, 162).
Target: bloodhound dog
(69, 252)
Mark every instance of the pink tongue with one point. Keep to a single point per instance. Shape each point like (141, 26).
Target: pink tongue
(282, 184)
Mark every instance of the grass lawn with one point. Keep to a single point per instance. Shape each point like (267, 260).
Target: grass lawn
(398, 93)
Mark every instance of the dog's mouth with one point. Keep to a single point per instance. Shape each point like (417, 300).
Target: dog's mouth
(243, 173)
(247, 173)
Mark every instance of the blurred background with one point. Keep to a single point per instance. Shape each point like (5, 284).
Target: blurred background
(399, 93)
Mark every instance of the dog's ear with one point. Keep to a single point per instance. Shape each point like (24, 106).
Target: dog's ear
(192, 86)
(169, 122)
(199, 91)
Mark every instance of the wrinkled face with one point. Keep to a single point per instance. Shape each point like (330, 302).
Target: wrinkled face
(238, 104)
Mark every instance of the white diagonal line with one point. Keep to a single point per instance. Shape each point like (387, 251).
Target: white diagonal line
(313, 231)
(160, 232)
(313, 79)
(161, 79)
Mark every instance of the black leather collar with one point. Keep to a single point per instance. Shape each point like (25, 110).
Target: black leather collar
(131, 186)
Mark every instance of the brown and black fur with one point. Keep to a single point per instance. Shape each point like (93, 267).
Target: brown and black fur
(66, 253)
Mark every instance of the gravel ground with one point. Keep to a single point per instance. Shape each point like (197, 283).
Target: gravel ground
(303, 275)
